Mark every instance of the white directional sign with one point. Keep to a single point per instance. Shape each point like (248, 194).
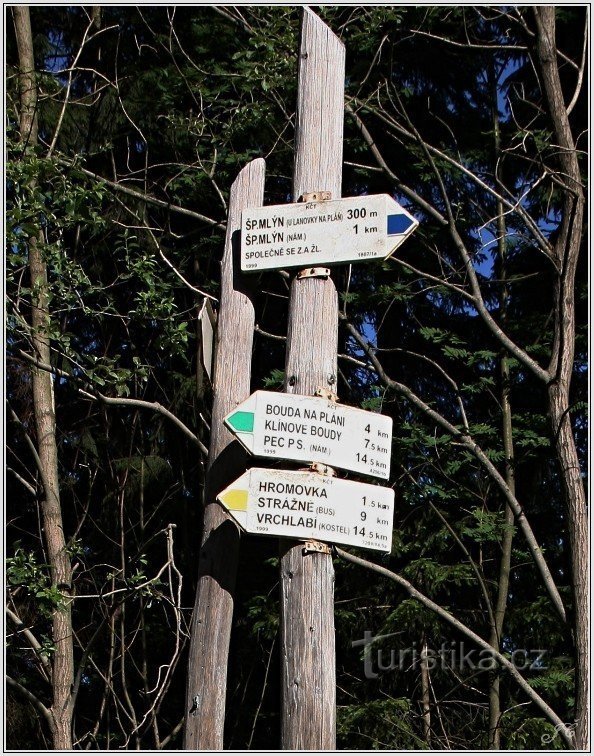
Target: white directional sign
(305, 505)
(332, 232)
(310, 429)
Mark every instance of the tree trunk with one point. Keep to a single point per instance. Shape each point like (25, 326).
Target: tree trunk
(45, 420)
(213, 609)
(307, 580)
(505, 562)
(578, 540)
(508, 448)
(567, 249)
(425, 692)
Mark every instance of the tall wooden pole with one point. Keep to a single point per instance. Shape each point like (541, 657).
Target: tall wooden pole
(307, 580)
(213, 609)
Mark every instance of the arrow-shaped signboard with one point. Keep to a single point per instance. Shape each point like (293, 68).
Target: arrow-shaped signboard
(333, 232)
(307, 505)
(310, 429)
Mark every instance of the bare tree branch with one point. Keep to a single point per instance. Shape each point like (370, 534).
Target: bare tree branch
(471, 562)
(122, 188)
(113, 613)
(22, 481)
(154, 406)
(464, 439)
(69, 87)
(476, 296)
(166, 740)
(32, 699)
(22, 629)
(451, 620)
(407, 191)
(91, 393)
(511, 206)
(580, 78)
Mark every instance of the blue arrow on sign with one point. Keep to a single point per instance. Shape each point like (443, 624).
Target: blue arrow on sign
(399, 224)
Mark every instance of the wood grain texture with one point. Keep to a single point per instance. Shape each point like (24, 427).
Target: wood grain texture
(308, 660)
(213, 608)
(320, 110)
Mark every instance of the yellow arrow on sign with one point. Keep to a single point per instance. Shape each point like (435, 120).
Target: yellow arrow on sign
(234, 499)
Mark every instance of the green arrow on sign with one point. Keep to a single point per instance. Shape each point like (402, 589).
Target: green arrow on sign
(242, 422)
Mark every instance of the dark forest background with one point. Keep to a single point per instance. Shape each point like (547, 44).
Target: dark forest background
(145, 117)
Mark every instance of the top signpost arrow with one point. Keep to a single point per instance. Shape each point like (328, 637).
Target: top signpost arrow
(332, 232)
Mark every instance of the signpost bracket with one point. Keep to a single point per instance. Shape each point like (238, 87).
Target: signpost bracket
(325, 393)
(314, 273)
(321, 469)
(310, 547)
(319, 196)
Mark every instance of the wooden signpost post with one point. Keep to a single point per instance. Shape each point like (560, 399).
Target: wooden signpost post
(304, 424)
(213, 608)
(308, 657)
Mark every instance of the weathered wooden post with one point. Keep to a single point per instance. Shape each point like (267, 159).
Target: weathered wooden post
(299, 235)
(213, 609)
(307, 580)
